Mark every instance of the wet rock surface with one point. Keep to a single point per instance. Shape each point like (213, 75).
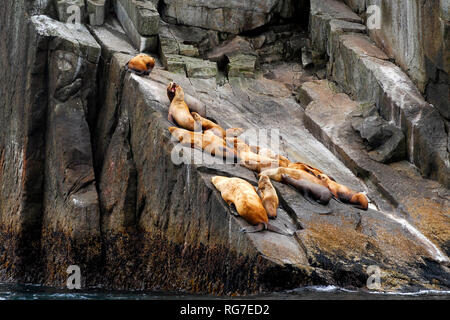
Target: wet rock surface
(91, 176)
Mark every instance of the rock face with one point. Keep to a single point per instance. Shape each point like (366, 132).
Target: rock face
(140, 20)
(415, 34)
(327, 116)
(228, 16)
(385, 141)
(91, 177)
(364, 72)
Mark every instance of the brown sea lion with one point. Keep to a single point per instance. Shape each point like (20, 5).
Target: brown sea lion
(207, 125)
(203, 141)
(257, 163)
(265, 152)
(275, 174)
(247, 202)
(308, 189)
(179, 111)
(249, 159)
(141, 64)
(345, 194)
(193, 103)
(268, 196)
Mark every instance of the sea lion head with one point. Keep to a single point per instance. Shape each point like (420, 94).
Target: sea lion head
(171, 90)
(179, 92)
(263, 179)
(173, 129)
(177, 133)
(324, 178)
(141, 64)
(216, 181)
(271, 173)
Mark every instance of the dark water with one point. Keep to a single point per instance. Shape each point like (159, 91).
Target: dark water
(36, 292)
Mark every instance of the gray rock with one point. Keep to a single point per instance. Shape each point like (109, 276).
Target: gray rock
(241, 65)
(415, 35)
(175, 63)
(327, 117)
(393, 149)
(188, 50)
(70, 212)
(143, 15)
(373, 131)
(69, 37)
(359, 6)
(198, 68)
(96, 10)
(386, 142)
(226, 16)
(306, 58)
(362, 70)
(237, 45)
(112, 38)
(194, 41)
(141, 42)
(322, 13)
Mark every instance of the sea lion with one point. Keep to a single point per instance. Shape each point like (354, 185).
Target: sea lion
(193, 103)
(249, 159)
(141, 64)
(247, 202)
(208, 142)
(265, 152)
(275, 174)
(347, 195)
(207, 125)
(308, 189)
(257, 163)
(179, 111)
(268, 196)
(304, 167)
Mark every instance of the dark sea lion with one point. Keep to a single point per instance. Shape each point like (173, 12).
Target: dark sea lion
(275, 174)
(308, 189)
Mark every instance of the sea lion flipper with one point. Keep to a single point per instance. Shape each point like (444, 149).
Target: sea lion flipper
(253, 229)
(170, 117)
(275, 229)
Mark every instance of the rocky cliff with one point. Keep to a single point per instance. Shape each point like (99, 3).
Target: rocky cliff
(87, 170)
